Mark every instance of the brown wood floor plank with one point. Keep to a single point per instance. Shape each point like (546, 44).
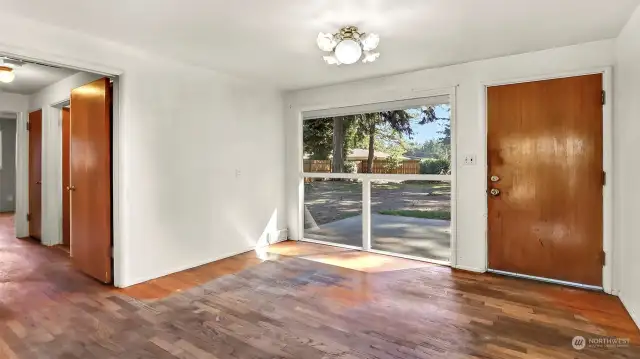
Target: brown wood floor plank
(295, 300)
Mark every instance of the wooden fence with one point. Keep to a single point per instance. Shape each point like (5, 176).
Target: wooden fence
(407, 167)
(317, 166)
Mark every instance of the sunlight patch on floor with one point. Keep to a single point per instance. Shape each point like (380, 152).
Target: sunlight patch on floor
(366, 262)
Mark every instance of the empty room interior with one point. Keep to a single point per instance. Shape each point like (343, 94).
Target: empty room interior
(320, 179)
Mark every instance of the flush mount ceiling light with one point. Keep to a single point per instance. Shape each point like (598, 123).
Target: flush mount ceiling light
(348, 46)
(7, 66)
(6, 74)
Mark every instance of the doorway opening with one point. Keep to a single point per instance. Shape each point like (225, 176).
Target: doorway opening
(379, 178)
(64, 165)
(8, 133)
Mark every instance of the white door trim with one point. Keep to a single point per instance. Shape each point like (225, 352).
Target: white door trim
(609, 275)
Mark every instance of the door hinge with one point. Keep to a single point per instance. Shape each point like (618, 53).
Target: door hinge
(28, 125)
(604, 178)
(604, 258)
(604, 97)
(28, 217)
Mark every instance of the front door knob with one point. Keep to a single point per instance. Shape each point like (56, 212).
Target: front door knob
(495, 178)
(494, 192)
(71, 188)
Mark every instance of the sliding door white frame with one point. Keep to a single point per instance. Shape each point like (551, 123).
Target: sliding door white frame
(433, 97)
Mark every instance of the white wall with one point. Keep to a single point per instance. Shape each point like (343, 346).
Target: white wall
(183, 132)
(469, 79)
(19, 104)
(52, 152)
(626, 150)
(13, 102)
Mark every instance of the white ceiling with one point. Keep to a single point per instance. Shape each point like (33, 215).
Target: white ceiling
(275, 39)
(30, 78)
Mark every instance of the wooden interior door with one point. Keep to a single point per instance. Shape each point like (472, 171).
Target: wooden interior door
(66, 229)
(545, 149)
(90, 179)
(35, 175)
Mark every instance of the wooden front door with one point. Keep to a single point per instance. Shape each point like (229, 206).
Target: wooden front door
(545, 151)
(90, 179)
(66, 229)
(35, 175)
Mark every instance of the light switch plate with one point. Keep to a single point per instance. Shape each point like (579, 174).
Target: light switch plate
(470, 160)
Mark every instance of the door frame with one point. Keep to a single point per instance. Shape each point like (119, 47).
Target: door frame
(367, 178)
(56, 109)
(609, 282)
(28, 181)
(52, 111)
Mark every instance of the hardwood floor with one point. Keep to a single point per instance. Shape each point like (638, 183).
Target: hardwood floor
(295, 300)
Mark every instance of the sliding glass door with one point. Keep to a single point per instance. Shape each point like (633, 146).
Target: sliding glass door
(379, 177)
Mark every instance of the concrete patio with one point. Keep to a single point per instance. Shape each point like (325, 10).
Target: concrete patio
(425, 238)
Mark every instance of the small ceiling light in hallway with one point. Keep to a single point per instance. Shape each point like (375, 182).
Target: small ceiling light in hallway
(6, 74)
(348, 46)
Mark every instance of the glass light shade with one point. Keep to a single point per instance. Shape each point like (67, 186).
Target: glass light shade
(370, 41)
(326, 42)
(7, 76)
(370, 56)
(348, 51)
(331, 60)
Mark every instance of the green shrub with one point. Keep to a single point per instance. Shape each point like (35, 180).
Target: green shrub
(446, 215)
(435, 166)
(350, 167)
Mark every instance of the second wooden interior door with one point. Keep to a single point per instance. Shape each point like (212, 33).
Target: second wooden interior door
(546, 177)
(90, 179)
(35, 175)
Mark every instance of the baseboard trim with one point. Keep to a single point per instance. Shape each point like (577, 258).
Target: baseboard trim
(190, 266)
(129, 283)
(471, 269)
(274, 242)
(629, 309)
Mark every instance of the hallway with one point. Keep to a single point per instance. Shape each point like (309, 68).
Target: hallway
(293, 300)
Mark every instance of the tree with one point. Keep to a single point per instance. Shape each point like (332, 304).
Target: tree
(317, 138)
(336, 136)
(398, 121)
(337, 165)
(331, 138)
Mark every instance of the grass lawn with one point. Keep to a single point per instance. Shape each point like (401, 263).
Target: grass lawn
(419, 214)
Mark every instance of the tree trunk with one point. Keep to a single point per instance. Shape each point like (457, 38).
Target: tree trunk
(372, 133)
(337, 165)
